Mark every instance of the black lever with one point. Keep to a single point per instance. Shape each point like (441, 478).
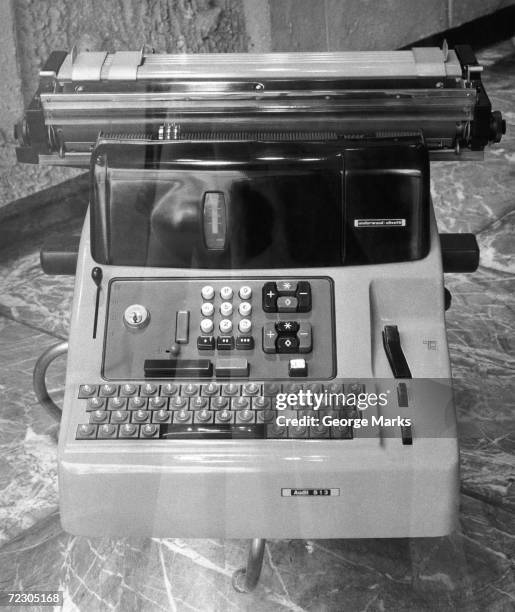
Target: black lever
(96, 275)
(393, 349)
(400, 369)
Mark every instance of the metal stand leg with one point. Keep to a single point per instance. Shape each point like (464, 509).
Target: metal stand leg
(245, 579)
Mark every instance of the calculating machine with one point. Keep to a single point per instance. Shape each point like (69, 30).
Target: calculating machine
(259, 225)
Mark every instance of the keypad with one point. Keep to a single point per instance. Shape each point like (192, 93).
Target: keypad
(192, 410)
(226, 324)
(286, 296)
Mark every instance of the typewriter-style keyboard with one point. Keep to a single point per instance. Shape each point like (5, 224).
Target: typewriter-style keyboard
(193, 410)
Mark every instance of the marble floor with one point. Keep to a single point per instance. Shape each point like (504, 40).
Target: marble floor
(472, 570)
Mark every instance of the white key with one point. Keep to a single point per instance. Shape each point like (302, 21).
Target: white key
(207, 309)
(206, 325)
(245, 292)
(226, 309)
(245, 326)
(245, 309)
(208, 293)
(225, 326)
(226, 293)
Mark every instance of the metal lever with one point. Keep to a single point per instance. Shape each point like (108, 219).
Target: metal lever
(393, 350)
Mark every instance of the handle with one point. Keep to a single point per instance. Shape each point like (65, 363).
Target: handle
(39, 379)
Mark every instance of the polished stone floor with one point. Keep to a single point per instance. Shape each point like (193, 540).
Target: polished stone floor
(472, 570)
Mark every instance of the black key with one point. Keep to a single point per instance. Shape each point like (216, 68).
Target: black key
(225, 343)
(287, 327)
(287, 344)
(286, 287)
(165, 368)
(244, 343)
(269, 295)
(303, 296)
(197, 431)
(206, 343)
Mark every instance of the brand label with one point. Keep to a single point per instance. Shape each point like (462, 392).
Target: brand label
(309, 492)
(379, 222)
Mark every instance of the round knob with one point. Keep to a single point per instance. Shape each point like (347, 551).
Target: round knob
(245, 292)
(245, 326)
(136, 316)
(226, 293)
(225, 326)
(226, 309)
(206, 325)
(207, 309)
(245, 309)
(208, 293)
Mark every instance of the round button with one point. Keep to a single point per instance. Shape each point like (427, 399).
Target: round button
(208, 293)
(225, 326)
(226, 293)
(136, 316)
(245, 309)
(206, 326)
(245, 292)
(207, 309)
(246, 415)
(226, 309)
(245, 326)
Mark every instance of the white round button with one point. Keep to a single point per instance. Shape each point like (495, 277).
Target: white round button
(136, 316)
(225, 326)
(244, 326)
(206, 325)
(207, 309)
(245, 292)
(226, 309)
(226, 293)
(208, 293)
(245, 309)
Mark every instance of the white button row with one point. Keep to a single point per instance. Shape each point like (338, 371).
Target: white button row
(206, 326)
(226, 309)
(226, 293)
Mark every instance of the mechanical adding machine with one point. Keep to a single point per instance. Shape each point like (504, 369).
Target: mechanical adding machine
(257, 345)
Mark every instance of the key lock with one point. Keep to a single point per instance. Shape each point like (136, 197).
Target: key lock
(136, 317)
